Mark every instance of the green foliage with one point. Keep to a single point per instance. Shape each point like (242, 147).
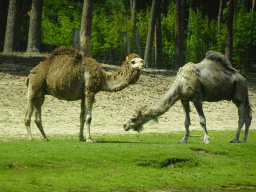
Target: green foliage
(128, 162)
(60, 32)
(244, 39)
(112, 18)
(59, 18)
(168, 36)
(202, 36)
(108, 33)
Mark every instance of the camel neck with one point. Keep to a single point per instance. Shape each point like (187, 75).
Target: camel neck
(117, 81)
(160, 107)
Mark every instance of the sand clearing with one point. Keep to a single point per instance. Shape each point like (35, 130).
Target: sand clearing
(111, 110)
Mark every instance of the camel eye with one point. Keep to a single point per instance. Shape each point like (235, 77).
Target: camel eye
(133, 62)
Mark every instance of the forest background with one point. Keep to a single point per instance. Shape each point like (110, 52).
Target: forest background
(111, 18)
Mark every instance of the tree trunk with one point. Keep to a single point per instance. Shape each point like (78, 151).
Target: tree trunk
(3, 17)
(192, 7)
(137, 42)
(179, 61)
(34, 37)
(12, 33)
(229, 42)
(151, 30)
(183, 16)
(127, 47)
(86, 28)
(220, 15)
(165, 5)
(133, 11)
(134, 21)
(158, 39)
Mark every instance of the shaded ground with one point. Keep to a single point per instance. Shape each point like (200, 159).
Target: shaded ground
(111, 110)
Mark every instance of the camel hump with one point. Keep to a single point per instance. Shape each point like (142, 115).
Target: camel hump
(219, 58)
(70, 51)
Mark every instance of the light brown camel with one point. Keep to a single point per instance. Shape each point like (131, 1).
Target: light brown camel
(67, 75)
(211, 80)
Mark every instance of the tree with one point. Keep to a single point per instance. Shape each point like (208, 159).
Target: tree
(3, 17)
(192, 8)
(34, 37)
(229, 41)
(165, 4)
(179, 61)
(133, 11)
(220, 15)
(158, 39)
(13, 26)
(151, 30)
(86, 28)
(135, 30)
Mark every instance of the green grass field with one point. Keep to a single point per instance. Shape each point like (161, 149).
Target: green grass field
(128, 162)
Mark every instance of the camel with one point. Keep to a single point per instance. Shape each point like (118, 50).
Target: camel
(67, 75)
(212, 80)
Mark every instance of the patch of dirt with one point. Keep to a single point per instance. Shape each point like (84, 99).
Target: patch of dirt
(111, 110)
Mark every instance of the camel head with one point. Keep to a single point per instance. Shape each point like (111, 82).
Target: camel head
(135, 61)
(135, 122)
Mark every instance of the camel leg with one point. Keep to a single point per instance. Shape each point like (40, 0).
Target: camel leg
(242, 114)
(186, 111)
(29, 111)
(38, 104)
(86, 116)
(199, 108)
(82, 119)
(248, 120)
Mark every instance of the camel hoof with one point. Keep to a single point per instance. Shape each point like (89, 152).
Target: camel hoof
(46, 139)
(205, 142)
(233, 141)
(82, 139)
(182, 142)
(89, 141)
(243, 141)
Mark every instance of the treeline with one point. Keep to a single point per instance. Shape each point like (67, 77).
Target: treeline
(201, 29)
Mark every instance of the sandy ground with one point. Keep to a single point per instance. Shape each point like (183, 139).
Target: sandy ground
(111, 110)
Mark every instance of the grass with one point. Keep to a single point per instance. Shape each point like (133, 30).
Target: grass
(128, 162)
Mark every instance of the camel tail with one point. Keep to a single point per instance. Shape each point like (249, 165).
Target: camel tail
(248, 105)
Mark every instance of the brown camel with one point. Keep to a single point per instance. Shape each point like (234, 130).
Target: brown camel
(67, 75)
(211, 80)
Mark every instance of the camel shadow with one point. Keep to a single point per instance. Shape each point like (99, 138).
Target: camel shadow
(116, 142)
(130, 142)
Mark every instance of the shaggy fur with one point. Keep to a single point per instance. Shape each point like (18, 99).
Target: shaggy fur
(211, 80)
(131, 76)
(189, 73)
(68, 65)
(67, 75)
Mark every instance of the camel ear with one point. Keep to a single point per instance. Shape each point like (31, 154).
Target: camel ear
(127, 58)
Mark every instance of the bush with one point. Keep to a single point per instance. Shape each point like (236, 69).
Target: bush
(203, 36)
(244, 39)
